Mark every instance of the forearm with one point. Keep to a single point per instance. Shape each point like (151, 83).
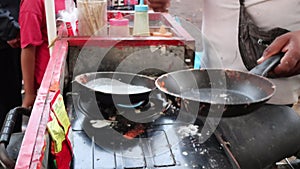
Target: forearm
(28, 65)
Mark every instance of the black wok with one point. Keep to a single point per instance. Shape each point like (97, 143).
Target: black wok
(219, 92)
(115, 96)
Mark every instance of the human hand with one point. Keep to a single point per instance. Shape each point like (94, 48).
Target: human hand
(289, 44)
(158, 5)
(28, 100)
(14, 43)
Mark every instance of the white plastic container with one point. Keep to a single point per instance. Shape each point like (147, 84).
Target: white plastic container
(119, 26)
(141, 20)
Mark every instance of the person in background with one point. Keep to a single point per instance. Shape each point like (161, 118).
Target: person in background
(224, 47)
(10, 68)
(158, 5)
(34, 43)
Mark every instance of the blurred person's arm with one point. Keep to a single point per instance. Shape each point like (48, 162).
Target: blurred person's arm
(9, 29)
(289, 44)
(158, 5)
(28, 65)
(14, 43)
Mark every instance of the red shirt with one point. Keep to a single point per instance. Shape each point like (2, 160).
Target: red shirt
(33, 32)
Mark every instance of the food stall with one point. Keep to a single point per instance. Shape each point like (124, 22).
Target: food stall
(100, 137)
(66, 52)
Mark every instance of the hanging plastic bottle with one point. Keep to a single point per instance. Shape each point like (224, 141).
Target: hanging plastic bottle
(141, 20)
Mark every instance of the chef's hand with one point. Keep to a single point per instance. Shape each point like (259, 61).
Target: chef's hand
(158, 5)
(289, 44)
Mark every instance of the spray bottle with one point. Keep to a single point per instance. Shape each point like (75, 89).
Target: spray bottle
(141, 20)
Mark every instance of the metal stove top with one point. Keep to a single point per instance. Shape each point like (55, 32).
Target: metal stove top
(164, 144)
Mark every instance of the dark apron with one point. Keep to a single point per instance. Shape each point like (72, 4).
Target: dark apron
(252, 39)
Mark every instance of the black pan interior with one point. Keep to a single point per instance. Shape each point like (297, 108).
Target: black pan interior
(216, 86)
(112, 97)
(128, 78)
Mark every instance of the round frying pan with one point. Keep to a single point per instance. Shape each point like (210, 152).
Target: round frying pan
(116, 88)
(229, 92)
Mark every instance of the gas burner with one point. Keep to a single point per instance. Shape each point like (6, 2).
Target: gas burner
(124, 143)
(127, 121)
(144, 113)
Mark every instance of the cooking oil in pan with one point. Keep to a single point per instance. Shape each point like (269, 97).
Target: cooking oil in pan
(107, 85)
(216, 96)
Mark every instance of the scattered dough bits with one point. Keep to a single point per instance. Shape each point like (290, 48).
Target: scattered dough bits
(162, 32)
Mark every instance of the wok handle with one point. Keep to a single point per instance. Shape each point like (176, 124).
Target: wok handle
(9, 123)
(263, 68)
